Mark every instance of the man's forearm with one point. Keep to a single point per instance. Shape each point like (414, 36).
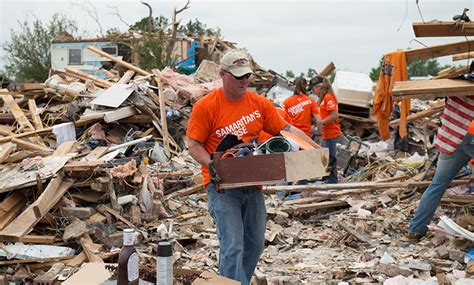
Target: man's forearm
(199, 153)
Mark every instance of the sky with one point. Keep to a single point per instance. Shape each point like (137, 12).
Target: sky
(281, 35)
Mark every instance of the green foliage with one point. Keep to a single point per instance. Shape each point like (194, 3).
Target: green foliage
(150, 54)
(310, 73)
(158, 24)
(196, 28)
(332, 76)
(289, 74)
(424, 68)
(28, 53)
(113, 32)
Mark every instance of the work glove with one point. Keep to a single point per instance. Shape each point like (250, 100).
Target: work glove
(215, 179)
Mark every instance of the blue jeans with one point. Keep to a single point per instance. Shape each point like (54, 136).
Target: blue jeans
(447, 168)
(240, 217)
(331, 145)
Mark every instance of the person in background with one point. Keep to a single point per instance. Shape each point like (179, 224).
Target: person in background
(239, 213)
(455, 141)
(302, 109)
(331, 131)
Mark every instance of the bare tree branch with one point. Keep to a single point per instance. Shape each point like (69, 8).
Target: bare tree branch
(117, 13)
(150, 18)
(174, 30)
(90, 9)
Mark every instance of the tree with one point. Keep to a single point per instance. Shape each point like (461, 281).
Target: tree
(196, 28)
(426, 67)
(289, 74)
(158, 24)
(28, 54)
(311, 73)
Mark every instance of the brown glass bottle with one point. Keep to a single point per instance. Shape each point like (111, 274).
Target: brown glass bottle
(128, 260)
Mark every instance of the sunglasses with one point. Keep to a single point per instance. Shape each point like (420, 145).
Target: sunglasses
(245, 76)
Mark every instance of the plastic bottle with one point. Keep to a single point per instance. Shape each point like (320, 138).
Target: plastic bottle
(164, 264)
(128, 260)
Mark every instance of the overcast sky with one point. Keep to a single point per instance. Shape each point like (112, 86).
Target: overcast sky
(281, 35)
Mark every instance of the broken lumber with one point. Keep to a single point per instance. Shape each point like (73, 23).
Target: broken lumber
(353, 232)
(438, 50)
(432, 88)
(440, 29)
(17, 112)
(23, 223)
(84, 76)
(118, 61)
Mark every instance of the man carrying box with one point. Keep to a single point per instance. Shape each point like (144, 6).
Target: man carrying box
(239, 213)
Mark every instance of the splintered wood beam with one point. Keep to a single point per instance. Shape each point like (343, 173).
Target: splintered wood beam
(17, 112)
(462, 56)
(432, 88)
(6, 150)
(84, 76)
(328, 69)
(439, 50)
(118, 61)
(30, 146)
(34, 114)
(23, 223)
(126, 77)
(421, 114)
(441, 29)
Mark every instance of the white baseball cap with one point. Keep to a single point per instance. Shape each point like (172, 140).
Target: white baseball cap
(237, 62)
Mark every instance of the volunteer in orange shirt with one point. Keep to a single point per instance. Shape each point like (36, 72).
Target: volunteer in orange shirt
(239, 213)
(331, 130)
(301, 108)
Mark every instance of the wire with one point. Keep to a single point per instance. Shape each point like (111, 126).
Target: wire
(419, 11)
(406, 14)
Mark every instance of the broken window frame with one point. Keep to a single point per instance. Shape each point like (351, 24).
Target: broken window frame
(72, 61)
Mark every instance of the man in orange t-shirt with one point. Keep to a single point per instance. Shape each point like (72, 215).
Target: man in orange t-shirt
(331, 130)
(239, 213)
(301, 108)
(264, 135)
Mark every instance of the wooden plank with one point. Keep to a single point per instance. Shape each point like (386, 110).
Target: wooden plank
(31, 146)
(164, 124)
(38, 239)
(83, 165)
(17, 113)
(6, 130)
(118, 61)
(432, 88)
(34, 114)
(40, 206)
(6, 150)
(452, 72)
(126, 77)
(10, 202)
(440, 29)
(96, 153)
(31, 86)
(97, 81)
(463, 56)
(353, 232)
(91, 249)
(354, 185)
(78, 123)
(23, 223)
(64, 148)
(119, 114)
(418, 115)
(328, 69)
(438, 50)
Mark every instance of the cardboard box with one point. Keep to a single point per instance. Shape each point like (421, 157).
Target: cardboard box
(271, 168)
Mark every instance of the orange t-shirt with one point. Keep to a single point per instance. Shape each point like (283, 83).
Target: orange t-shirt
(264, 135)
(300, 108)
(471, 128)
(328, 104)
(214, 116)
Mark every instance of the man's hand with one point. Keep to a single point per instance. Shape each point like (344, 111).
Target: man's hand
(215, 179)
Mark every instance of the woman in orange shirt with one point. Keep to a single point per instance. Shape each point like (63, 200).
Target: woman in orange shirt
(301, 108)
(331, 130)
